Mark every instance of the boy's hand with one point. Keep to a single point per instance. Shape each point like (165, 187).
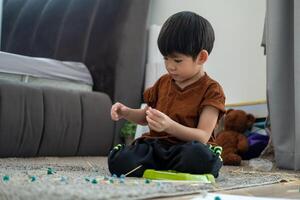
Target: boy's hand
(157, 120)
(118, 111)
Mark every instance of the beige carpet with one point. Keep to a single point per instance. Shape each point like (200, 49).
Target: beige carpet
(88, 178)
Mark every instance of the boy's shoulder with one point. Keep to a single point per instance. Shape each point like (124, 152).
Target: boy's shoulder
(164, 78)
(212, 82)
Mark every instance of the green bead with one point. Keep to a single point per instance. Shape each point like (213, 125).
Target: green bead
(6, 178)
(87, 179)
(50, 171)
(111, 180)
(94, 181)
(147, 181)
(217, 198)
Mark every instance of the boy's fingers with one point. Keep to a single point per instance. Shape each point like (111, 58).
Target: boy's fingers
(152, 116)
(155, 112)
(152, 122)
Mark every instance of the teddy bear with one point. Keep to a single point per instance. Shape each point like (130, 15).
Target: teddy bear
(232, 138)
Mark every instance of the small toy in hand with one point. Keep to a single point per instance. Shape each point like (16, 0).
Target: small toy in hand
(232, 138)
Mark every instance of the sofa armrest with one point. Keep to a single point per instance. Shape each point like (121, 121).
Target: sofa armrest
(44, 121)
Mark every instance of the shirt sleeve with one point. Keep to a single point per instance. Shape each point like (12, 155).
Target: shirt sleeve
(151, 95)
(214, 97)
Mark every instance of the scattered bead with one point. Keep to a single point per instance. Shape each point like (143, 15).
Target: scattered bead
(32, 178)
(111, 180)
(122, 176)
(106, 178)
(94, 181)
(87, 179)
(114, 176)
(5, 178)
(122, 181)
(63, 179)
(217, 198)
(147, 181)
(50, 171)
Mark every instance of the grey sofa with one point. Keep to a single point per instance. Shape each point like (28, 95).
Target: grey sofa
(109, 37)
(45, 121)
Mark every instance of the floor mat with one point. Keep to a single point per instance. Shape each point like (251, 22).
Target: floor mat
(88, 178)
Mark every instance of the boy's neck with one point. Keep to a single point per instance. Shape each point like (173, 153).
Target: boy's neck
(191, 80)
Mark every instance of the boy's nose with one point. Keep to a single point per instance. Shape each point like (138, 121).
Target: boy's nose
(171, 68)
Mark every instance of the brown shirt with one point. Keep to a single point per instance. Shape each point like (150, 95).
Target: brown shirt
(183, 105)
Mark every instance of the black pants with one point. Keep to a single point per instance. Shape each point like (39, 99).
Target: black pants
(191, 157)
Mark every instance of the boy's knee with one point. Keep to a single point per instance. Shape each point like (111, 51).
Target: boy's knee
(123, 160)
(198, 158)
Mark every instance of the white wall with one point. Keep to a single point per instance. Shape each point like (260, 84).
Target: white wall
(237, 60)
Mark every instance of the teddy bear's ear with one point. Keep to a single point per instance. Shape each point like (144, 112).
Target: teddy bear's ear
(250, 120)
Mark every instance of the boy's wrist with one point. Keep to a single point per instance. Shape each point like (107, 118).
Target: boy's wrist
(125, 112)
(171, 127)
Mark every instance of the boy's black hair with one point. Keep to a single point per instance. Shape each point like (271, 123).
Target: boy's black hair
(187, 33)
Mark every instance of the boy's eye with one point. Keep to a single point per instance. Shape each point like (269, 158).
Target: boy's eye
(165, 58)
(178, 61)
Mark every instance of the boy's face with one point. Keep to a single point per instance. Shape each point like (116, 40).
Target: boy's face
(181, 67)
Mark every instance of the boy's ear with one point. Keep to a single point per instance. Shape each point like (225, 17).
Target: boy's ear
(202, 57)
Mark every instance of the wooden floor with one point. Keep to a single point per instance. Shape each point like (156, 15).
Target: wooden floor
(289, 190)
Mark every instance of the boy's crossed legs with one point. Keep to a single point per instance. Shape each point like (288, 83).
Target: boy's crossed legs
(191, 157)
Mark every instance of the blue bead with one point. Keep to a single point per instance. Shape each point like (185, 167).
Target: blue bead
(122, 181)
(122, 176)
(32, 178)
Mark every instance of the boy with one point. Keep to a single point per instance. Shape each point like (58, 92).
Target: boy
(183, 106)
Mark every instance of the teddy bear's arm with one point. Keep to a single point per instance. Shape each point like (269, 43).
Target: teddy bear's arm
(242, 143)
